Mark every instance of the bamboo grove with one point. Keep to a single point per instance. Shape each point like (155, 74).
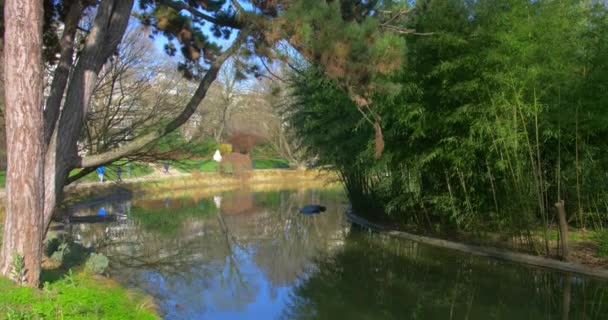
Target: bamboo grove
(499, 110)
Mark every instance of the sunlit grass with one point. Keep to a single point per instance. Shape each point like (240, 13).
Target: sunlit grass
(75, 296)
(270, 163)
(137, 170)
(189, 166)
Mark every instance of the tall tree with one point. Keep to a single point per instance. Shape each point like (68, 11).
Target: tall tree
(352, 39)
(23, 228)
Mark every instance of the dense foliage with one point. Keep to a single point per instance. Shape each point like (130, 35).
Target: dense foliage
(501, 112)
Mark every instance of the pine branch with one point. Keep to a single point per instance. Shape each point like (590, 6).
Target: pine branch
(177, 5)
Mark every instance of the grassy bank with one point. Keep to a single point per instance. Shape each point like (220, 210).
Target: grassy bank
(129, 170)
(202, 180)
(192, 166)
(75, 296)
(138, 169)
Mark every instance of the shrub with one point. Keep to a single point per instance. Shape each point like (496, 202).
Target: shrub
(51, 245)
(225, 148)
(97, 263)
(244, 142)
(602, 243)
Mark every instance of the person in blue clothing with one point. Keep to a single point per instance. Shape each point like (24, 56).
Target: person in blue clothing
(100, 173)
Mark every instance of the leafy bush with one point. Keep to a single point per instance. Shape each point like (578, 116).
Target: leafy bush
(225, 148)
(602, 242)
(51, 245)
(97, 263)
(68, 253)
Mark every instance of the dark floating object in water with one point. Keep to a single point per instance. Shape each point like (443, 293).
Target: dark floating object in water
(312, 209)
(93, 219)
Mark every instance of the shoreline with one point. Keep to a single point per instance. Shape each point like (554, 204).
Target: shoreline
(207, 182)
(203, 179)
(485, 251)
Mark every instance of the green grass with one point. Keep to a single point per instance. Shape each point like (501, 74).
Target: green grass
(73, 297)
(265, 151)
(189, 166)
(574, 235)
(186, 166)
(270, 164)
(209, 166)
(137, 170)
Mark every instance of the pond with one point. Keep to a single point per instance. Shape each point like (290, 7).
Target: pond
(244, 254)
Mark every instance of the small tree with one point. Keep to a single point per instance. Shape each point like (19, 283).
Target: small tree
(244, 142)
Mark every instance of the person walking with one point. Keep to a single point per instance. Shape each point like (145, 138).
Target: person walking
(166, 167)
(100, 173)
(118, 174)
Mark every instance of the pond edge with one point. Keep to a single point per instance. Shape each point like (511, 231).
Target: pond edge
(490, 252)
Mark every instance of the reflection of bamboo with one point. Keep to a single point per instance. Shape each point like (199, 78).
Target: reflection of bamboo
(566, 295)
(470, 304)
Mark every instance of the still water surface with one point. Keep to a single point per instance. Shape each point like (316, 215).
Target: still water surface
(250, 255)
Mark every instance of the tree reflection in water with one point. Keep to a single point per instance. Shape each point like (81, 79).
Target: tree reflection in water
(198, 259)
(375, 277)
(244, 254)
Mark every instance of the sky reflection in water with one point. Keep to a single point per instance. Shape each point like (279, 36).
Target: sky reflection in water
(251, 255)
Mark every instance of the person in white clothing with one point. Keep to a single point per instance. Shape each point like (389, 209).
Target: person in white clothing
(217, 156)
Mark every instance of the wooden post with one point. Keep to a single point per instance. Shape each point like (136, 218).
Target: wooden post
(563, 228)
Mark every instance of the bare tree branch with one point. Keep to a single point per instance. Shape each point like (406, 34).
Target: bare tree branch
(141, 142)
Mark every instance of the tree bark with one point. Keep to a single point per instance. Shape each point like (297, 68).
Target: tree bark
(39, 165)
(563, 228)
(62, 73)
(108, 29)
(23, 226)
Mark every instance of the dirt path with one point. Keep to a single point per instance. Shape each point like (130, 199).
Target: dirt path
(158, 174)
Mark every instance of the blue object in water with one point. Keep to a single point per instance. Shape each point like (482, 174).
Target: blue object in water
(101, 212)
(312, 209)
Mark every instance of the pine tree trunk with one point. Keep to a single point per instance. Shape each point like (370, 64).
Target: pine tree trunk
(23, 226)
